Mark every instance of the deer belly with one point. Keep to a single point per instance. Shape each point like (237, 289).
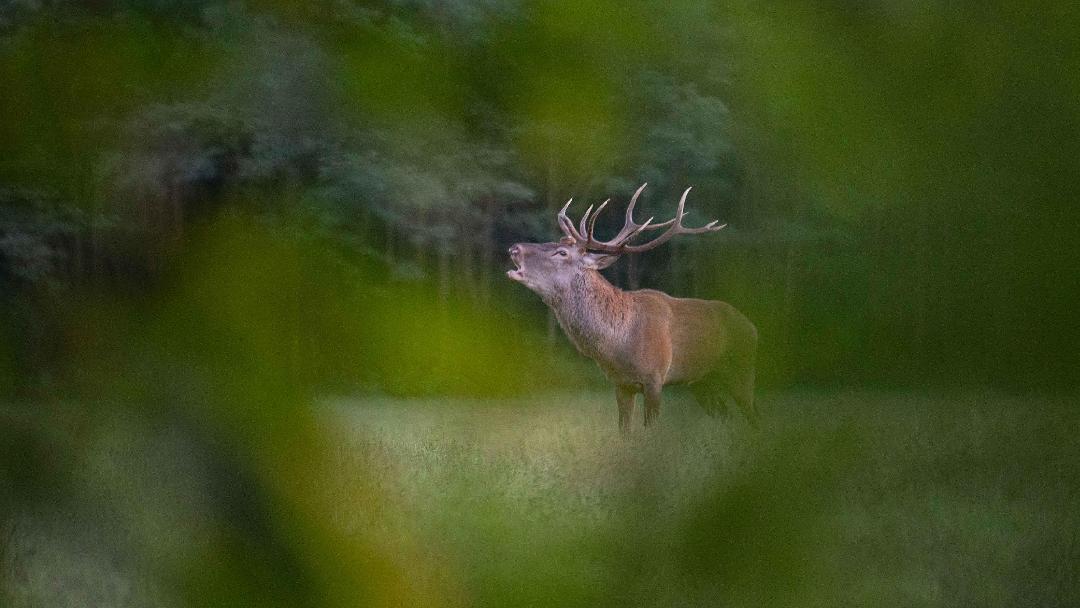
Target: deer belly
(680, 374)
(615, 368)
(691, 363)
(620, 377)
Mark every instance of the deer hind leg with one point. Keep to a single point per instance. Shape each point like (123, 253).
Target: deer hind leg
(652, 402)
(709, 394)
(625, 394)
(742, 390)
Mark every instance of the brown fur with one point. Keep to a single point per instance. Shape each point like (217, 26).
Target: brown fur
(642, 340)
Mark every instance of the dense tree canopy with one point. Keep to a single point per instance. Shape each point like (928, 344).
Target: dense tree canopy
(899, 186)
(234, 233)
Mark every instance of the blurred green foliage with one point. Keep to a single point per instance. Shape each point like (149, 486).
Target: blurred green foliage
(942, 138)
(898, 180)
(215, 214)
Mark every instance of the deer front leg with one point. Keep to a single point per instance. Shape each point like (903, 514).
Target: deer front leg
(652, 402)
(625, 396)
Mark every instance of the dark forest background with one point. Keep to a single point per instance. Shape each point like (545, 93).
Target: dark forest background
(257, 347)
(899, 180)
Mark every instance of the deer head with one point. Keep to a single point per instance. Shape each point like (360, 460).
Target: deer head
(547, 268)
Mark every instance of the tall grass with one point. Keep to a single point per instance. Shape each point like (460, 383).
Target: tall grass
(847, 498)
(842, 499)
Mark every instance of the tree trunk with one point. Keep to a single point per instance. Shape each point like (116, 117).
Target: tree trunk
(95, 249)
(176, 207)
(487, 253)
(789, 291)
(364, 224)
(467, 281)
(388, 244)
(922, 292)
(77, 254)
(444, 273)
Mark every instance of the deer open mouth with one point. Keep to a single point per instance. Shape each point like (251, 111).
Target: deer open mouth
(518, 273)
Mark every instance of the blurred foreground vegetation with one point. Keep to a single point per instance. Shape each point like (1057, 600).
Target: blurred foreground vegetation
(215, 214)
(899, 180)
(853, 499)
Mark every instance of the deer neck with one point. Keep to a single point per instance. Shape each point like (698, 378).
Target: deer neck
(593, 313)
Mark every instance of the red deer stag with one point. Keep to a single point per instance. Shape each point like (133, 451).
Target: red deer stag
(643, 339)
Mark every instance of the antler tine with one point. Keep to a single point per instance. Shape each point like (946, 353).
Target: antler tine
(584, 219)
(566, 225)
(630, 217)
(681, 211)
(710, 227)
(633, 202)
(640, 228)
(591, 234)
(675, 229)
(630, 227)
(586, 230)
(562, 212)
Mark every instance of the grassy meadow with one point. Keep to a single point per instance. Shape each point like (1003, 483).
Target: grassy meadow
(258, 346)
(845, 498)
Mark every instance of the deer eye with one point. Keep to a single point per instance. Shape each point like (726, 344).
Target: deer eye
(561, 252)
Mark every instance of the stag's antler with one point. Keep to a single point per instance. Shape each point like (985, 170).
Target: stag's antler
(620, 244)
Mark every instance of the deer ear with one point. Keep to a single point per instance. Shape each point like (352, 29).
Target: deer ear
(599, 261)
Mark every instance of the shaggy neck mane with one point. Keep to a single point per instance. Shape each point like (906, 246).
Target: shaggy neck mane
(593, 312)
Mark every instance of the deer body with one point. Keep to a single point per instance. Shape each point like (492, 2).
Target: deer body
(644, 339)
